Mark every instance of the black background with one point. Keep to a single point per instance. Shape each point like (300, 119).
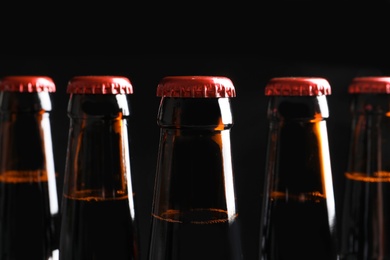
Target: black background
(249, 43)
(249, 134)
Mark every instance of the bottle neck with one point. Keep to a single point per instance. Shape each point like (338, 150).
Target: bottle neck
(370, 139)
(194, 161)
(25, 133)
(298, 146)
(370, 104)
(98, 106)
(195, 113)
(305, 108)
(16, 102)
(97, 163)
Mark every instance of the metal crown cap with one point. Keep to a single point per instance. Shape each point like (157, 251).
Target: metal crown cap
(24, 83)
(297, 86)
(99, 85)
(370, 84)
(196, 87)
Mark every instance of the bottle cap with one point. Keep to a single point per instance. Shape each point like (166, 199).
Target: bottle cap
(26, 83)
(196, 87)
(372, 84)
(297, 86)
(99, 85)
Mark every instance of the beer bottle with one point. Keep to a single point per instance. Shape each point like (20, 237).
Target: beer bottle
(29, 210)
(194, 212)
(98, 212)
(298, 217)
(365, 229)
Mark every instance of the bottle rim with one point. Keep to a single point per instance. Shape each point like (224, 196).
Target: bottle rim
(370, 84)
(27, 83)
(297, 86)
(104, 84)
(196, 86)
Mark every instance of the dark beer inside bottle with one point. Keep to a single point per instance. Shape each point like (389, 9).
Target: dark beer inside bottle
(98, 205)
(299, 216)
(29, 217)
(366, 216)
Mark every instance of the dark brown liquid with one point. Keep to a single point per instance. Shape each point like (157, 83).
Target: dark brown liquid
(98, 229)
(298, 228)
(198, 234)
(366, 220)
(28, 230)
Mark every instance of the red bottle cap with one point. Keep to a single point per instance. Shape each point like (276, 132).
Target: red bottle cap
(371, 84)
(26, 83)
(297, 86)
(99, 85)
(196, 87)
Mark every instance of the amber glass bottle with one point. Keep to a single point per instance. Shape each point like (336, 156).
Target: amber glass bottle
(98, 212)
(29, 210)
(194, 213)
(298, 218)
(365, 229)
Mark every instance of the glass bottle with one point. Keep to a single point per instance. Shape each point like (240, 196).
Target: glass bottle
(98, 213)
(194, 212)
(298, 217)
(29, 210)
(365, 229)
